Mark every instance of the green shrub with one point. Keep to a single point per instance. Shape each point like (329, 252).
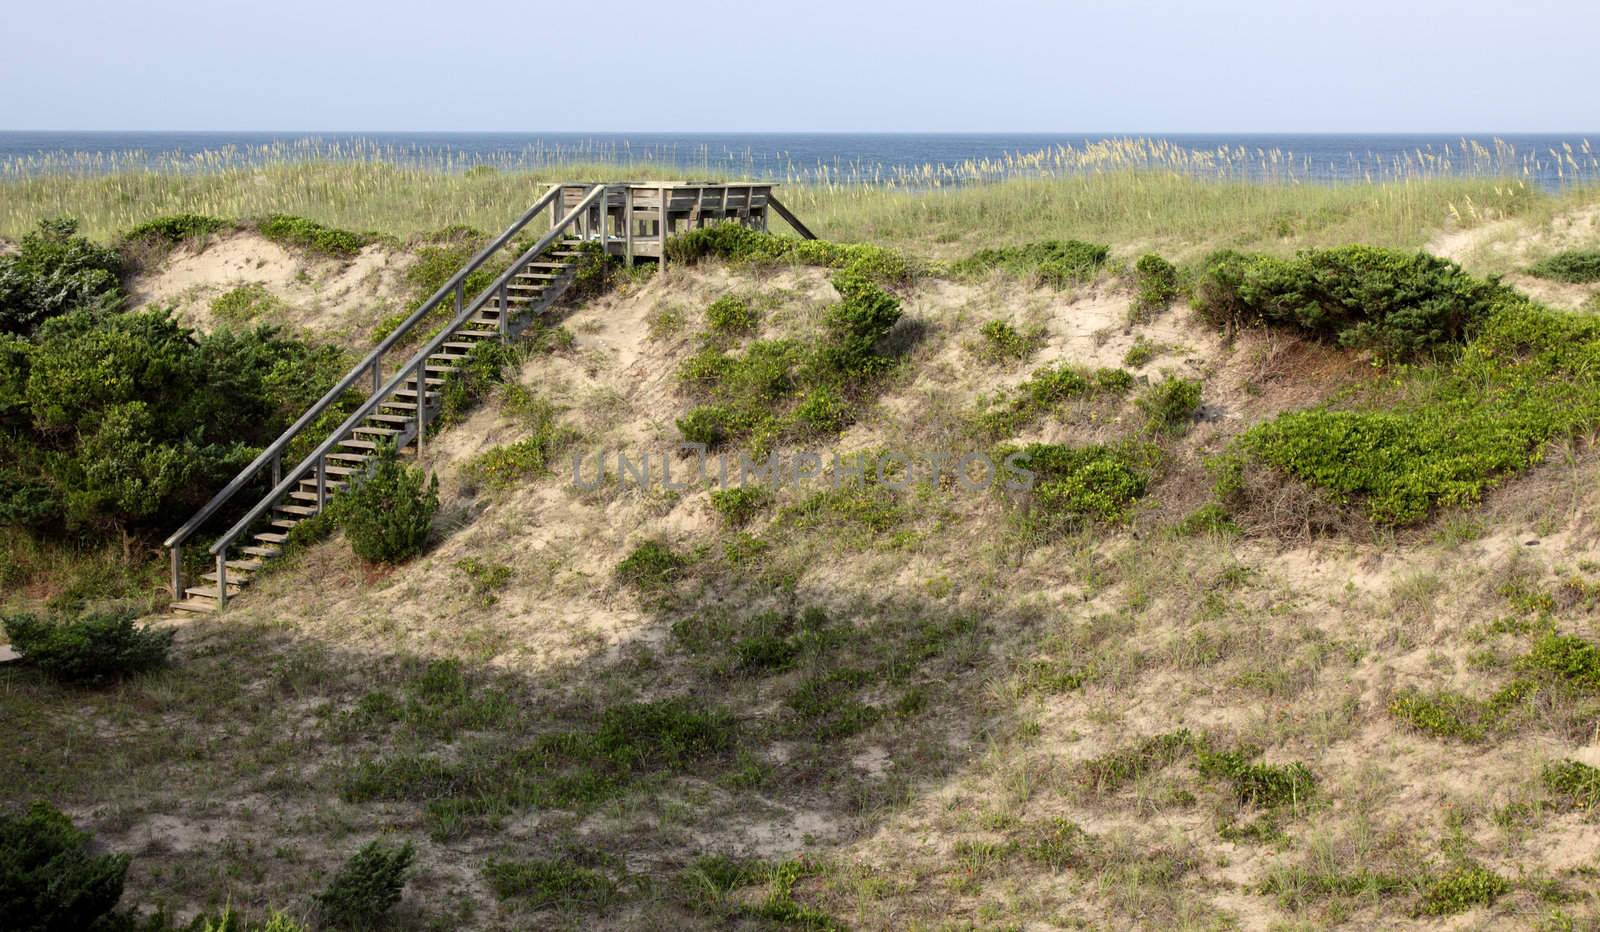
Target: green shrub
(313, 237)
(176, 228)
(1076, 484)
(1445, 715)
(738, 505)
(49, 882)
(1170, 405)
(245, 303)
(1157, 286)
(1141, 352)
(482, 369)
(1210, 518)
(503, 466)
(855, 326)
(1576, 781)
(55, 271)
(367, 886)
(736, 243)
(1461, 889)
(651, 566)
(1258, 784)
(1570, 661)
(486, 578)
(89, 648)
(707, 424)
(1530, 376)
(1046, 389)
(730, 314)
(1397, 303)
(540, 884)
(1579, 266)
(1001, 341)
(388, 516)
(1053, 262)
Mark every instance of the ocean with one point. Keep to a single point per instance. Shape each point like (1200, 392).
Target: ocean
(906, 159)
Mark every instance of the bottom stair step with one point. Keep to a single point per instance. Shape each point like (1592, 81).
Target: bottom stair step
(198, 606)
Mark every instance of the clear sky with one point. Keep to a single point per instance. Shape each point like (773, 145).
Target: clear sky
(818, 65)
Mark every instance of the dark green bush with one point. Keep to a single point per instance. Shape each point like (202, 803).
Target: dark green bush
(89, 648)
(1397, 303)
(55, 271)
(1157, 286)
(389, 516)
(738, 505)
(1461, 889)
(313, 237)
(367, 886)
(482, 369)
(49, 882)
(1579, 266)
(1258, 784)
(1053, 262)
(855, 327)
(1170, 405)
(1047, 389)
(1530, 376)
(175, 229)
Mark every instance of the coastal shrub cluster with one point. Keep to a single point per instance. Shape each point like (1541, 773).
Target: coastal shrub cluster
(1003, 342)
(242, 304)
(1400, 304)
(1170, 405)
(117, 422)
(312, 237)
(1045, 390)
(174, 229)
(49, 880)
(784, 388)
(1577, 266)
(1557, 666)
(1053, 262)
(1529, 376)
(545, 436)
(87, 649)
(734, 242)
(367, 886)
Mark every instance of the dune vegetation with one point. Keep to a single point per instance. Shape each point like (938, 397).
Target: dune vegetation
(1295, 622)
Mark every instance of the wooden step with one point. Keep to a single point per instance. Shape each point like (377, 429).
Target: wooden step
(548, 265)
(198, 606)
(346, 470)
(293, 510)
(431, 383)
(261, 551)
(270, 537)
(379, 431)
(358, 444)
(210, 592)
(235, 578)
(350, 457)
(385, 418)
(286, 523)
(305, 495)
(476, 334)
(537, 276)
(402, 405)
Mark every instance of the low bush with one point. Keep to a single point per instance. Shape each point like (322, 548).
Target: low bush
(541, 884)
(502, 466)
(730, 314)
(1053, 262)
(1141, 352)
(1156, 285)
(734, 242)
(1396, 303)
(1461, 889)
(1045, 390)
(652, 566)
(49, 882)
(244, 303)
(482, 369)
(367, 886)
(1002, 342)
(1578, 266)
(389, 516)
(1258, 784)
(1577, 782)
(1170, 405)
(1530, 376)
(90, 648)
(1072, 485)
(312, 237)
(174, 229)
(740, 504)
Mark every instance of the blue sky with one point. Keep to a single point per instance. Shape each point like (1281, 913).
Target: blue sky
(818, 65)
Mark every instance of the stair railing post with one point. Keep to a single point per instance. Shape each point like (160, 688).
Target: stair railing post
(322, 482)
(627, 224)
(177, 572)
(661, 263)
(277, 468)
(222, 579)
(505, 314)
(377, 374)
(422, 407)
(459, 288)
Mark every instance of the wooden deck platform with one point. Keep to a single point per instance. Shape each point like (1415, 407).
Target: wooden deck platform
(636, 218)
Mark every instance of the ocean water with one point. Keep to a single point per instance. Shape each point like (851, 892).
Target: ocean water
(907, 159)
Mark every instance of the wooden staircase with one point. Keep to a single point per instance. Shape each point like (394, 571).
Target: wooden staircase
(397, 411)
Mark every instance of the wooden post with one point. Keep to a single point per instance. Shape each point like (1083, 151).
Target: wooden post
(505, 314)
(661, 263)
(422, 406)
(627, 224)
(222, 579)
(322, 482)
(277, 468)
(177, 572)
(460, 286)
(377, 375)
